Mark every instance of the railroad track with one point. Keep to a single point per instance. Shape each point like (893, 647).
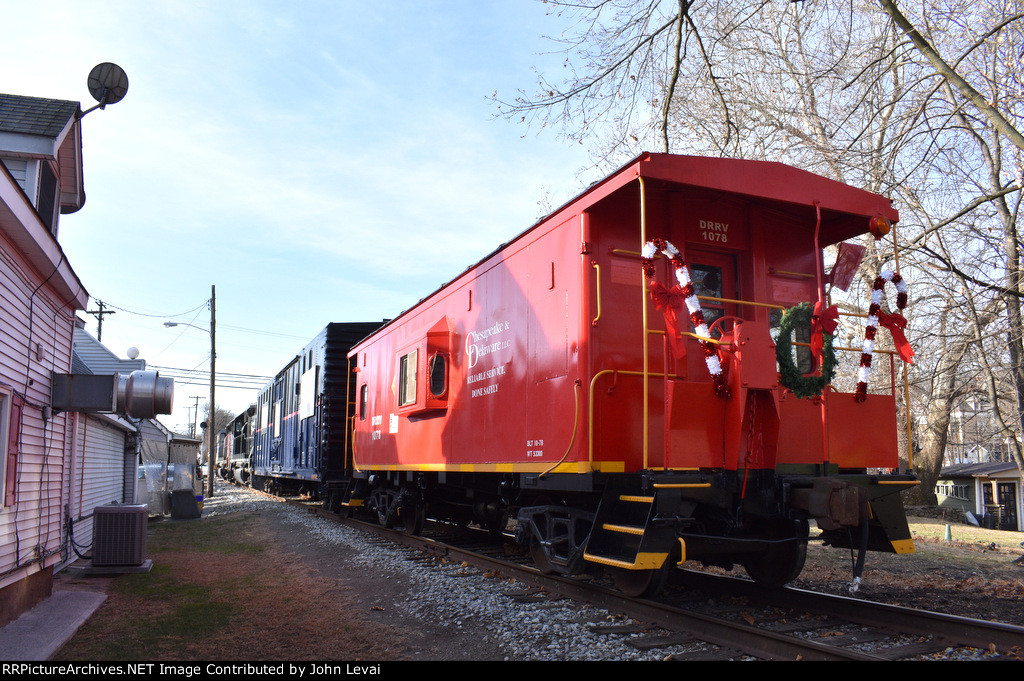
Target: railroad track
(715, 617)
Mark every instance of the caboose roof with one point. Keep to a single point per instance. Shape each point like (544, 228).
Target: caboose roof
(845, 210)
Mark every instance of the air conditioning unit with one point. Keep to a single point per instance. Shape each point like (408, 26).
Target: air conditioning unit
(119, 535)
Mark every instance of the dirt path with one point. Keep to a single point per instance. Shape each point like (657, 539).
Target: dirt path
(226, 590)
(262, 584)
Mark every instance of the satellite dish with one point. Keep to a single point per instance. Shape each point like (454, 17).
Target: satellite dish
(133, 353)
(108, 83)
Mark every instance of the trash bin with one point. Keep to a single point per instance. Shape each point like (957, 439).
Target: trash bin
(184, 505)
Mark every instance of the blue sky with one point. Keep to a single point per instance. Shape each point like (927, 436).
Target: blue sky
(315, 161)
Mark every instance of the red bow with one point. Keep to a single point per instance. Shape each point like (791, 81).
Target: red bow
(822, 321)
(669, 302)
(895, 322)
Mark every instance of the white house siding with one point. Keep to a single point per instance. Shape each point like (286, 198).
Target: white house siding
(98, 475)
(36, 327)
(18, 168)
(101, 360)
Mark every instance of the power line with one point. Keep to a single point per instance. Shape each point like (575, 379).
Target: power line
(166, 316)
(199, 380)
(219, 373)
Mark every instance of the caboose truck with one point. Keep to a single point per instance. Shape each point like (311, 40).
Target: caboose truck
(560, 382)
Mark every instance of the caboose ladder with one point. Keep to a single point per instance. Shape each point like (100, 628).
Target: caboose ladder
(624, 536)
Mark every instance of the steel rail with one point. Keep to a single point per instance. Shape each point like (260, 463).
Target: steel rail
(744, 638)
(953, 630)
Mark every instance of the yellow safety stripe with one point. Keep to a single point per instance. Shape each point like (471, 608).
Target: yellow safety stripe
(644, 561)
(903, 545)
(625, 529)
(572, 467)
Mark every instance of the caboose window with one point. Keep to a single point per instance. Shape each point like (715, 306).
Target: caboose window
(364, 401)
(801, 334)
(407, 379)
(707, 282)
(438, 375)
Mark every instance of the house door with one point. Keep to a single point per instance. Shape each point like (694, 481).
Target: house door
(1008, 506)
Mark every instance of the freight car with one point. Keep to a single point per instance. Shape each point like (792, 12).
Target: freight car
(234, 446)
(299, 421)
(626, 381)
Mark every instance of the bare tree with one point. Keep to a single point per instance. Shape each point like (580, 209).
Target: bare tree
(856, 91)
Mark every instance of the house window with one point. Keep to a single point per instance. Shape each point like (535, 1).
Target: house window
(46, 206)
(5, 410)
(407, 379)
(10, 424)
(952, 491)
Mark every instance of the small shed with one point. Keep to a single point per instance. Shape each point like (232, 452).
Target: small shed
(168, 462)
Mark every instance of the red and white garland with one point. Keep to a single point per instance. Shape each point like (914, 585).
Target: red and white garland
(894, 322)
(651, 248)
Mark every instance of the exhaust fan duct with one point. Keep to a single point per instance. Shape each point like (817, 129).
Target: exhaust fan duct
(143, 394)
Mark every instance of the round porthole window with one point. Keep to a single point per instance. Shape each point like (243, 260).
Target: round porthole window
(438, 375)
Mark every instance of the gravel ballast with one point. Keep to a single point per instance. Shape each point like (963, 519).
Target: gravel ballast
(430, 609)
(469, 615)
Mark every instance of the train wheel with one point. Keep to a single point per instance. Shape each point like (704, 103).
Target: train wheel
(496, 525)
(540, 558)
(382, 502)
(782, 562)
(642, 583)
(412, 516)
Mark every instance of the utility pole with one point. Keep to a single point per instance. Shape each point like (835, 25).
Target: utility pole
(195, 415)
(210, 453)
(99, 317)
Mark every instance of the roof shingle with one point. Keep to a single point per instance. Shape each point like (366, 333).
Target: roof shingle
(35, 115)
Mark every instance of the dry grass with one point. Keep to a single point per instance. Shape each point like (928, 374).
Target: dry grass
(221, 590)
(977, 573)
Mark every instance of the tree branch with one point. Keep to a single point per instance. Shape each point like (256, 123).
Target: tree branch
(967, 90)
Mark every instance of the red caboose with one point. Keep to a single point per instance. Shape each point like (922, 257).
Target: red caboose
(567, 381)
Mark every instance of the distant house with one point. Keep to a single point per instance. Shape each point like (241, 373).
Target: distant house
(991, 492)
(40, 179)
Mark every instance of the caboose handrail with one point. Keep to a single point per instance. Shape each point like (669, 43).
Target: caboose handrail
(590, 406)
(575, 426)
(643, 323)
(737, 301)
(689, 334)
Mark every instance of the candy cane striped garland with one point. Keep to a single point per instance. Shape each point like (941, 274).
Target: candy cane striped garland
(877, 290)
(651, 248)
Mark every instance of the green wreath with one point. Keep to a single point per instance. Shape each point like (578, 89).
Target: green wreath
(789, 375)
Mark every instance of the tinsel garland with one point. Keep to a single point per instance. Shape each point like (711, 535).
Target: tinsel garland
(651, 248)
(894, 322)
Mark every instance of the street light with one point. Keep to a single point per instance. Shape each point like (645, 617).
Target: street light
(210, 452)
